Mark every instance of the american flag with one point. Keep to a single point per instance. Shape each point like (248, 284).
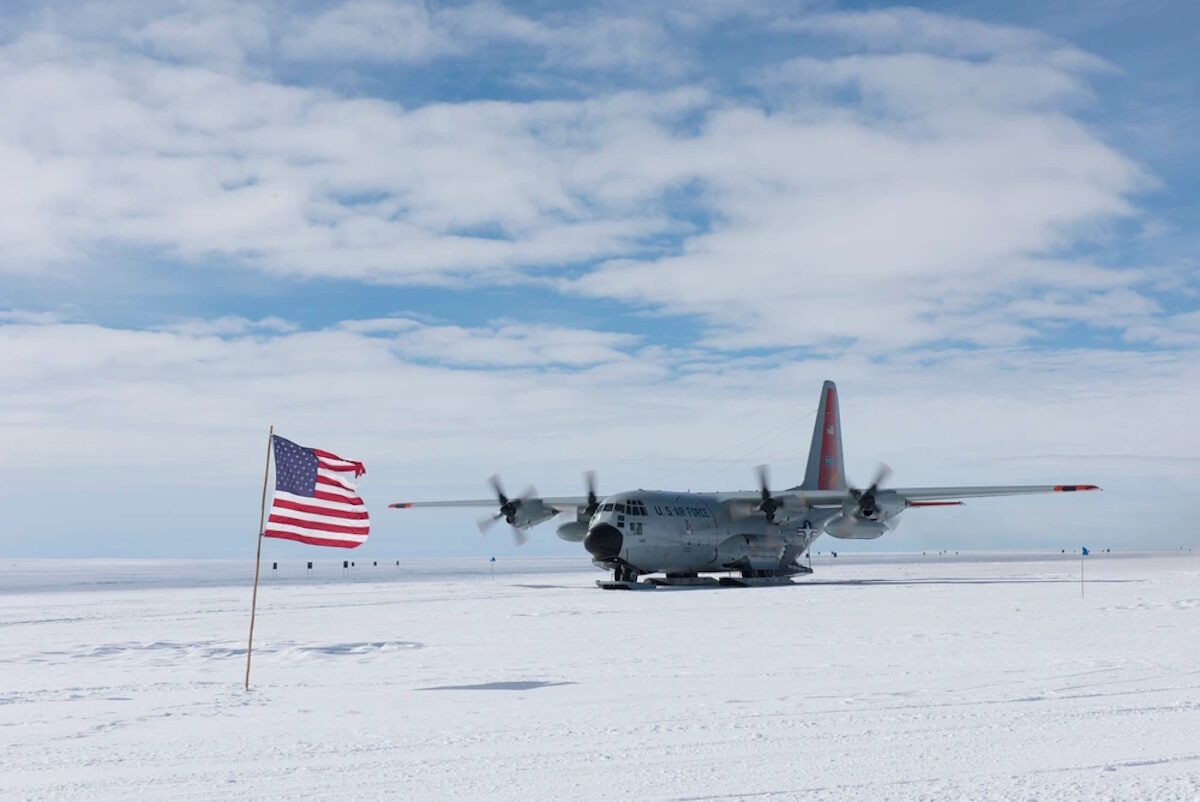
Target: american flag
(314, 498)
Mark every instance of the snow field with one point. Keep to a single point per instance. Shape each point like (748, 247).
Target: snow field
(871, 680)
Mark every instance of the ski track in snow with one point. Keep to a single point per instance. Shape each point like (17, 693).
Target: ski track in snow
(921, 680)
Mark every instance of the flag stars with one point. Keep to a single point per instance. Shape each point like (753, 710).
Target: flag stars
(295, 468)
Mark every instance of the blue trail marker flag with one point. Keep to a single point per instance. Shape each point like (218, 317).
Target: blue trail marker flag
(1085, 551)
(315, 500)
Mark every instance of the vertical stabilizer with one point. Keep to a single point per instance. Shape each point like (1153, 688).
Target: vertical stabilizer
(825, 469)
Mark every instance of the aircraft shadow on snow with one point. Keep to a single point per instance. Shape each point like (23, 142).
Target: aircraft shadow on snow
(526, 685)
(879, 582)
(962, 581)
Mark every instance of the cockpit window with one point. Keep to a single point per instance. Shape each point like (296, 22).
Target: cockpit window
(608, 507)
(620, 508)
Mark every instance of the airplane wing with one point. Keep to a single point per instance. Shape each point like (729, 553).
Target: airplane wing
(796, 498)
(919, 494)
(470, 502)
(553, 501)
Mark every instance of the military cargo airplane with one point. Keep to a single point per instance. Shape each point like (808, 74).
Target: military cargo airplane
(754, 537)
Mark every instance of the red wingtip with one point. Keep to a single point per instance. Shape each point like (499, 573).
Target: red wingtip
(1074, 488)
(401, 505)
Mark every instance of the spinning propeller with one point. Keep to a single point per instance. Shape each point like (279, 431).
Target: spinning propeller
(508, 510)
(593, 503)
(769, 504)
(865, 499)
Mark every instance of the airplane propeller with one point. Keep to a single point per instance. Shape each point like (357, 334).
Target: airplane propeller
(508, 510)
(769, 505)
(593, 503)
(865, 499)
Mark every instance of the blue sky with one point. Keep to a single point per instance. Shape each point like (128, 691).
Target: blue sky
(455, 239)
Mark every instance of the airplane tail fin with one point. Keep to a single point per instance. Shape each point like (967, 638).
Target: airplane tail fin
(825, 470)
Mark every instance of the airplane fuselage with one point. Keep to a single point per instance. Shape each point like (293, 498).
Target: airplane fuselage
(690, 533)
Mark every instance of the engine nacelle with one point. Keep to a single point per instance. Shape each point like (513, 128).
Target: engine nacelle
(847, 527)
(888, 505)
(881, 506)
(531, 513)
(572, 531)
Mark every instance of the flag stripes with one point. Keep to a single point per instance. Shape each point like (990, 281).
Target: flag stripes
(321, 522)
(313, 540)
(282, 502)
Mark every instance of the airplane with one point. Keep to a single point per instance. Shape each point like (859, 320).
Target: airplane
(753, 537)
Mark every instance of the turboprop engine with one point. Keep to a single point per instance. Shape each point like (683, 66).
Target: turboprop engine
(531, 513)
(521, 513)
(866, 512)
(574, 531)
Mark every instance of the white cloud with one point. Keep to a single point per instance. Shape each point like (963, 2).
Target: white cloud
(369, 30)
(911, 29)
(229, 325)
(33, 318)
(417, 33)
(917, 86)
(215, 32)
(504, 344)
(1178, 330)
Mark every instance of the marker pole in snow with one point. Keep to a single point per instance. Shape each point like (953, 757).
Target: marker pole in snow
(262, 516)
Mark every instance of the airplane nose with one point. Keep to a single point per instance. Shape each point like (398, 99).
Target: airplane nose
(603, 541)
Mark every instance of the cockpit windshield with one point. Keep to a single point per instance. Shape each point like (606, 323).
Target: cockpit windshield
(630, 507)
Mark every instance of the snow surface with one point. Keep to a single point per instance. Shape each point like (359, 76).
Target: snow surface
(932, 677)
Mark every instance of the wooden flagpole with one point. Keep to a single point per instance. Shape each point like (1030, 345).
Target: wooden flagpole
(262, 515)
